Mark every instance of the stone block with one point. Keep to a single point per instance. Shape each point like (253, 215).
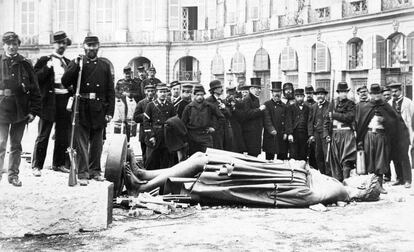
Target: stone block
(47, 205)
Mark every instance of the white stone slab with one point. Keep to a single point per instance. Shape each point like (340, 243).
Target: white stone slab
(47, 205)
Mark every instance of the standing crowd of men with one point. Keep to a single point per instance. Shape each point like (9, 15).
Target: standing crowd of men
(179, 119)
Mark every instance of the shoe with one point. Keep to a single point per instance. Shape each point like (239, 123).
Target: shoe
(387, 179)
(98, 178)
(407, 185)
(61, 168)
(16, 182)
(36, 172)
(397, 183)
(382, 190)
(83, 182)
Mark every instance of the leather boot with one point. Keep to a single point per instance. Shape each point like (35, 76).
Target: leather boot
(380, 181)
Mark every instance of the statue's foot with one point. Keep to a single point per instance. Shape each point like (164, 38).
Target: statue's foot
(133, 180)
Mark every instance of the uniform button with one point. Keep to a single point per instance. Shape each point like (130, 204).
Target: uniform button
(87, 62)
(12, 74)
(94, 62)
(97, 85)
(87, 84)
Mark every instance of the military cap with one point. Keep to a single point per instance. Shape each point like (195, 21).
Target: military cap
(309, 89)
(198, 89)
(299, 91)
(127, 69)
(385, 89)
(187, 86)
(375, 89)
(215, 84)
(152, 69)
(287, 85)
(395, 85)
(61, 36)
(10, 37)
(162, 86)
(149, 86)
(174, 83)
(91, 40)
(361, 88)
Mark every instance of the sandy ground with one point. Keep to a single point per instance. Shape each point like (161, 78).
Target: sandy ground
(385, 225)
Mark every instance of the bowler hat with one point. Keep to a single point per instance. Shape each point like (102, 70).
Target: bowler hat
(361, 88)
(9, 37)
(198, 89)
(91, 40)
(276, 86)
(215, 84)
(320, 90)
(60, 36)
(375, 89)
(255, 82)
(174, 83)
(141, 68)
(309, 89)
(342, 87)
(127, 69)
(299, 91)
(149, 86)
(395, 85)
(162, 86)
(287, 85)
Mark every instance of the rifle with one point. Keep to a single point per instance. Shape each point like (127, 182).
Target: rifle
(71, 150)
(331, 108)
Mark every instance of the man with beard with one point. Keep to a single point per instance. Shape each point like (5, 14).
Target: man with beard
(309, 101)
(139, 117)
(315, 129)
(338, 131)
(244, 91)
(156, 114)
(216, 90)
(309, 92)
(20, 102)
(375, 123)
(252, 124)
(363, 94)
(200, 117)
(49, 70)
(151, 78)
(186, 91)
(404, 107)
(297, 126)
(96, 108)
(274, 134)
(288, 95)
(175, 92)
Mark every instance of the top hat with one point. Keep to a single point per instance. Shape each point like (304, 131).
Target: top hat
(375, 89)
(320, 90)
(395, 85)
(299, 91)
(149, 86)
(287, 85)
(215, 84)
(276, 86)
(309, 89)
(60, 36)
(162, 86)
(342, 87)
(255, 82)
(9, 37)
(361, 88)
(127, 69)
(91, 40)
(199, 88)
(174, 83)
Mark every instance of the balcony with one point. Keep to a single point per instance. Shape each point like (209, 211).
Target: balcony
(320, 15)
(261, 25)
(354, 8)
(197, 35)
(237, 29)
(190, 76)
(141, 37)
(286, 21)
(396, 4)
(30, 40)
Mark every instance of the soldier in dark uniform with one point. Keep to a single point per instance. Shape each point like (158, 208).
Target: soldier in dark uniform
(375, 123)
(142, 75)
(49, 70)
(216, 90)
(315, 129)
(185, 99)
(310, 101)
(297, 126)
(156, 113)
(252, 123)
(139, 117)
(96, 108)
(338, 130)
(151, 78)
(274, 134)
(175, 87)
(288, 93)
(20, 102)
(200, 117)
(236, 108)
(363, 94)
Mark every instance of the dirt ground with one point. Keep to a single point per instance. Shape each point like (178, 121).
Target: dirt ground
(385, 225)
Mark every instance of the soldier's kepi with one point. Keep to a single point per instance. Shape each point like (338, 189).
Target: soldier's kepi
(96, 107)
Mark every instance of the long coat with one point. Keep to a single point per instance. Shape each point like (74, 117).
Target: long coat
(139, 117)
(96, 78)
(46, 79)
(407, 112)
(24, 87)
(293, 116)
(275, 117)
(252, 124)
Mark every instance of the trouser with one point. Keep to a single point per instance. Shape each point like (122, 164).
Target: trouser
(376, 152)
(402, 165)
(312, 154)
(300, 146)
(342, 156)
(280, 156)
(158, 158)
(320, 153)
(62, 129)
(218, 138)
(15, 131)
(199, 143)
(143, 151)
(89, 144)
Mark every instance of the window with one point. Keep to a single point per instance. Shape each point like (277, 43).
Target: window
(104, 19)
(288, 59)
(217, 65)
(324, 83)
(396, 49)
(359, 6)
(321, 59)
(355, 53)
(28, 22)
(323, 12)
(147, 10)
(238, 63)
(65, 14)
(261, 61)
(254, 9)
(231, 11)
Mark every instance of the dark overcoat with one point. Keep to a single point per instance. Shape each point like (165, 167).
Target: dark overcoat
(252, 124)
(275, 117)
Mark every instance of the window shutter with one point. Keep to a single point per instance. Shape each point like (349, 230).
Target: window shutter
(321, 58)
(410, 48)
(380, 52)
(174, 15)
(212, 12)
(388, 51)
(201, 13)
(352, 56)
(284, 59)
(367, 44)
(292, 59)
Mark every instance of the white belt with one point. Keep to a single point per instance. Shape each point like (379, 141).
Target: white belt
(61, 91)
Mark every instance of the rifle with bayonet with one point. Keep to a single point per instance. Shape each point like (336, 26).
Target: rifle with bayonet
(331, 108)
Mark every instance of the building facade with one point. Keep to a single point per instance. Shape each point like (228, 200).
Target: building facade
(300, 41)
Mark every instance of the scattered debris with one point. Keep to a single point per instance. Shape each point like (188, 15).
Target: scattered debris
(318, 207)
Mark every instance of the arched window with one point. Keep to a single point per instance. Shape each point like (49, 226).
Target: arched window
(217, 65)
(261, 60)
(410, 48)
(396, 49)
(238, 63)
(355, 53)
(321, 58)
(288, 59)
